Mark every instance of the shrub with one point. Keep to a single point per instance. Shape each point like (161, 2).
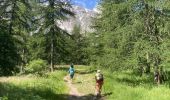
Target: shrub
(36, 66)
(4, 98)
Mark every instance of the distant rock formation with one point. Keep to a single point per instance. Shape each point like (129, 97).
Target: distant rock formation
(83, 17)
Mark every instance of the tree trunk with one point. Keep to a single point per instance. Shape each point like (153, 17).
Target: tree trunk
(23, 61)
(157, 78)
(12, 18)
(52, 52)
(52, 36)
(157, 70)
(147, 63)
(141, 71)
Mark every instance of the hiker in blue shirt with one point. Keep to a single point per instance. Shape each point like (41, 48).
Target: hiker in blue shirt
(71, 71)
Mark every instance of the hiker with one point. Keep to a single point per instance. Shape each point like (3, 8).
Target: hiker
(157, 77)
(99, 82)
(71, 71)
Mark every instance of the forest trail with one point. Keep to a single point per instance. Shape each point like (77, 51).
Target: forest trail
(82, 87)
(74, 94)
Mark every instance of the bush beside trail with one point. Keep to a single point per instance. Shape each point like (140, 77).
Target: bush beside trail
(36, 66)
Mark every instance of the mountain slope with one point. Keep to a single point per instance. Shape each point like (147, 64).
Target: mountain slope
(83, 17)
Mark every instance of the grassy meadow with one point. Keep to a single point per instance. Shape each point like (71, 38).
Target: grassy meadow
(127, 86)
(30, 87)
(124, 85)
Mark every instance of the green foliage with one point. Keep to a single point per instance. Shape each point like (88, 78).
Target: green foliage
(113, 40)
(36, 66)
(51, 13)
(130, 34)
(4, 98)
(32, 17)
(36, 47)
(79, 44)
(9, 55)
(14, 23)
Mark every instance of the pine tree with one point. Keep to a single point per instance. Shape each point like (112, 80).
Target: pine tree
(132, 34)
(54, 11)
(14, 15)
(113, 34)
(80, 53)
(8, 52)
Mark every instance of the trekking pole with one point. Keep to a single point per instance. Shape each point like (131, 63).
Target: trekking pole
(104, 89)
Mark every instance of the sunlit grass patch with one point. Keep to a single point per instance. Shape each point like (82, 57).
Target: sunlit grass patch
(49, 87)
(85, 83)
(127, 86)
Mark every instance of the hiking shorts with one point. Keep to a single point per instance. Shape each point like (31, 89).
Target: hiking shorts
(71, 76)
(99, 85)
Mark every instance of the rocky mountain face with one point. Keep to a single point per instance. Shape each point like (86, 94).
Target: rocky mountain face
(83, 17)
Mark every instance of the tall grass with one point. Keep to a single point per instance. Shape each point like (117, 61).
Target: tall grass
(49, 87)
(127, 86)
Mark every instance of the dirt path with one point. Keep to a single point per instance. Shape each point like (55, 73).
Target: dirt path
(74, 94)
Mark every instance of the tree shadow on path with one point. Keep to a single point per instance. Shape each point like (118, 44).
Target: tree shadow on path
(89, 97)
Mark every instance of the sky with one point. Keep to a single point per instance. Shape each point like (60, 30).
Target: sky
(89, 4)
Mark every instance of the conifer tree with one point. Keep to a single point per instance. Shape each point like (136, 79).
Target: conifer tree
(14, 22)
(53, 11)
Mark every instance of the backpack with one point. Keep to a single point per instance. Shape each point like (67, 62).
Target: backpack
(71, 70)
(99, 76)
